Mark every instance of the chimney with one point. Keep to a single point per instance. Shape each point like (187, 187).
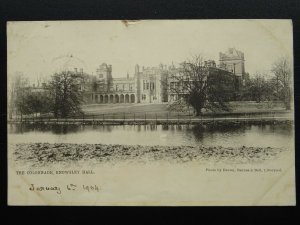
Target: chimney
(137, 69)
(127, 75)
(81, 71)
(75, 70)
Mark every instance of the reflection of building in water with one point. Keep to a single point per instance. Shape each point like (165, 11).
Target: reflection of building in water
(154, 84)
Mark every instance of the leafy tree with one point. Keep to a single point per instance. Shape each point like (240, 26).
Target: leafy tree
(201, 87)
(65, 93)
(37, 102)
(282, 70)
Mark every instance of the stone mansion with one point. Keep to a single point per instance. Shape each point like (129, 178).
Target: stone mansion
(151, 84)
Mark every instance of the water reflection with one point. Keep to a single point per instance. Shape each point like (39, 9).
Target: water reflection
(208, 134)
(197, 132)
(284, 129)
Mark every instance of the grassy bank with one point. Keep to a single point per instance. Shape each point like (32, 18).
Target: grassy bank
(163, 108)
(160, 114)
(162, 111)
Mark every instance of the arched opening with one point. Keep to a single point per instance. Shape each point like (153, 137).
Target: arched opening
(101, 98)
(126, 98)
(132, 98)
(122, 98)
(106, 99)
(117, 99)
(111, 99)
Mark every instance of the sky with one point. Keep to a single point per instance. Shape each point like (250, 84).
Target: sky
(41, 48)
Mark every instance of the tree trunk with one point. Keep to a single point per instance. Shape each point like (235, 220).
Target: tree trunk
(55, 114)
(288, 100)
(198, 111)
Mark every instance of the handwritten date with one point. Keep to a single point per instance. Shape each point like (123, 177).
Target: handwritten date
(68, 187)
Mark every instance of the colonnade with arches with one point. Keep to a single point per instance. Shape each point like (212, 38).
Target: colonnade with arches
(114, 98)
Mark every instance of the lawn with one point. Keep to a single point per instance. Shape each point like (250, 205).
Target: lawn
(162, 111)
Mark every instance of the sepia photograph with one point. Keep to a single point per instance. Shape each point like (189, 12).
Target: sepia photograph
(151, 112)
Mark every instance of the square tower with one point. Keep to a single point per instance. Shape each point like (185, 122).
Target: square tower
(233, 61)
(104, 74)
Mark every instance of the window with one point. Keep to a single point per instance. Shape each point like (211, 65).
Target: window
(117, 87)
(130, 87)
(147, 86)
(151, 86)
(123, 87)
(173, 85)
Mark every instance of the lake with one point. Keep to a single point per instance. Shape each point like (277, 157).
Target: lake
(275, 135)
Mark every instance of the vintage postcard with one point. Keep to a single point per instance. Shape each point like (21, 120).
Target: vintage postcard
(150, 113)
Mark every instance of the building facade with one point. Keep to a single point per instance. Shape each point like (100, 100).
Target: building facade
(147, 85)
(155, 84)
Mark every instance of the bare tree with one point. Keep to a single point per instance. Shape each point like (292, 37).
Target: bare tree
(259, 88)
(201, 86)
(282, 70)
(65, 93)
